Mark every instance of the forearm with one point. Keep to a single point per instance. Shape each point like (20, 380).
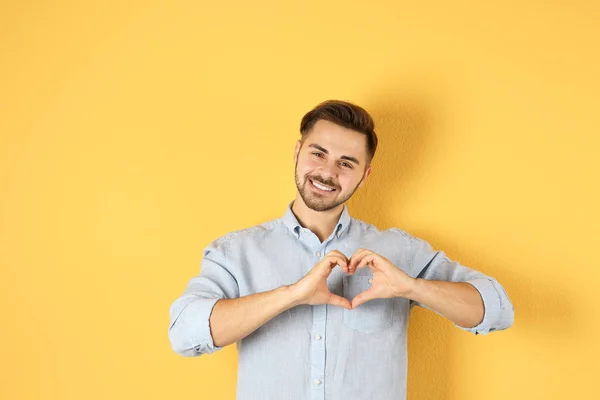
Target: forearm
(460, 302)
(234, 319)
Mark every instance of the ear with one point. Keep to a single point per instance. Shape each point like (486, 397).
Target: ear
(367, 173)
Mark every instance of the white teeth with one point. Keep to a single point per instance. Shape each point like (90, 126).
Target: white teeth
(321, 186)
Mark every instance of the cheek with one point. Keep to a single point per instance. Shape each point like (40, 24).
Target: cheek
(348, 181)
(344, 183)
(302, 170)
(307, 165)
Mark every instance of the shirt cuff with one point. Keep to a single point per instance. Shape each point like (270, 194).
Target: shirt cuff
(194, 324)
(491, 304)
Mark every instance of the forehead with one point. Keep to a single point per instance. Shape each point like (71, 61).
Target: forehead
(339, 141)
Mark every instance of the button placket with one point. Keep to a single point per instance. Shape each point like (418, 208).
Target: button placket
(318, 342)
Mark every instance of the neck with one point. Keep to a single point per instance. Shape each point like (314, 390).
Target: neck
(321, 223)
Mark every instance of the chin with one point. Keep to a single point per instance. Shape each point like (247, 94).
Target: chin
(321, 206)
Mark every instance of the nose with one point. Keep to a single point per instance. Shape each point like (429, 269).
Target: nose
(329, 173)
(330, 169)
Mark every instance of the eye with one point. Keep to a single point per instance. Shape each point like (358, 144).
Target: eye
(348, 165)
(316, 153)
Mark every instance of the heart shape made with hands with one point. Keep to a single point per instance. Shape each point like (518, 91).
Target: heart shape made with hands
(388, 280)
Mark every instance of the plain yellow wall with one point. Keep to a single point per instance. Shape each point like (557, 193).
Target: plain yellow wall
(133, 135)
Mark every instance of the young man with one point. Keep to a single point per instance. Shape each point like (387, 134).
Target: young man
(317, 301)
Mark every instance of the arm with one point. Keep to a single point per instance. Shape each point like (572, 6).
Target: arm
(460, 302)
(206, 325)
(190, 330)
(447, 288)
(211, 314)
(473, 301)
(234, 319)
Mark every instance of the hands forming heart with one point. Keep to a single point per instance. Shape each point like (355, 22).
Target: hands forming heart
(388, 280)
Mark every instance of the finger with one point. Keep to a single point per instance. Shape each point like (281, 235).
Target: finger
(332, 258)
(357, 257)
(339, 301)
(346, 266)
(346, 270)
(334, 253)
(369, 260)
(337, 252)
(330, 262)
(341, 260)
(363, 298)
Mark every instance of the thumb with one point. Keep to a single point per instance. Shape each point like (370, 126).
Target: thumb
(339, 301)
(363, 298)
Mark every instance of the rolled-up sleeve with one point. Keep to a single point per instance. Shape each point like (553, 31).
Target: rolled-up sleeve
(430, 264)
(189, 329)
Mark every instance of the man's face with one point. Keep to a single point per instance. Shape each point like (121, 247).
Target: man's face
(332, 156)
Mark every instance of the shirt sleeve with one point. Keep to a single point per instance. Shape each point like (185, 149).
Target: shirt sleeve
(429, 264)
(189, 329)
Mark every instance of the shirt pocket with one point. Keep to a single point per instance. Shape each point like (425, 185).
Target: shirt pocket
(370, 317)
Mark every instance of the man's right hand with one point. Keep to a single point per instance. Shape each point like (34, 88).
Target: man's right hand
(312, 288)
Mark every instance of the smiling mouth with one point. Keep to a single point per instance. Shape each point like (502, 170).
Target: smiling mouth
(320, 187)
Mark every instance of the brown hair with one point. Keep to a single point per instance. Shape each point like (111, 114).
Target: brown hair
(344, 114)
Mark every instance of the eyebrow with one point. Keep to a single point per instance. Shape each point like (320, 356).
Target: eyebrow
(316, 146)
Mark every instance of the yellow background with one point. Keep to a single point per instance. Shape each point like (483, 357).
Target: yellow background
(133, 135)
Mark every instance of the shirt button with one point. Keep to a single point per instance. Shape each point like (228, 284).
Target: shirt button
(318, 254)
(317, 337)
(317, 382)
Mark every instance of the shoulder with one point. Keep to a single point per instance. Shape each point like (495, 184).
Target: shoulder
(370, 231)
(243, 237)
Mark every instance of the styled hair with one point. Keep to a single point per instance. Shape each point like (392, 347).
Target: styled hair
(344, 114)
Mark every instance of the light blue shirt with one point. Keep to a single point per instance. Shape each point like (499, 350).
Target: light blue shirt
(319, 352)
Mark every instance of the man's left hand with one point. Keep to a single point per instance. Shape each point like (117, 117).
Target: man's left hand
(388, 280)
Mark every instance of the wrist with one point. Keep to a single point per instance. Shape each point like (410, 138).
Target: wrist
(290, 293)
(414, 289)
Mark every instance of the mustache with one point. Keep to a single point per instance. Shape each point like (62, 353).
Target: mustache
(324, 182)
